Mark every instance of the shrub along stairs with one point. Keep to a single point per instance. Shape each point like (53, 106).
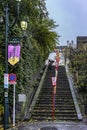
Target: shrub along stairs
(64, 104)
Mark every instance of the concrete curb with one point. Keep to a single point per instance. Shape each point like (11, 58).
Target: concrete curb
(37, 93)
(73, 94)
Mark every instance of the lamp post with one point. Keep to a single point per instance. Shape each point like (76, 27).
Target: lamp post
(6, 84)
(24, 27)
(1, 20)
(6, 102)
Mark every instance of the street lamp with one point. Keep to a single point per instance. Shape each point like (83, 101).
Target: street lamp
(6, 84)
(1, 19)
(24, 27)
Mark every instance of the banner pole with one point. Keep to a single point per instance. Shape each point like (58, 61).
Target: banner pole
(14, 105)
(53, 104)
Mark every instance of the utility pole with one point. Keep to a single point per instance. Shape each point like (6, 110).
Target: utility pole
(6, 102)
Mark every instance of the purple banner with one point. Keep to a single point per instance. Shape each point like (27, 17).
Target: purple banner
(13, 53)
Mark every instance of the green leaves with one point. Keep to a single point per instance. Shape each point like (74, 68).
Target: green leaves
(41, 38)
(78, 59)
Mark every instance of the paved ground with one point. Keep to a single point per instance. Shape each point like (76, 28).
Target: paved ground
(53, 126)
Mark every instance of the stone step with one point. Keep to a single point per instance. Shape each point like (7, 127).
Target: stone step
(59, 90)
(55, 118)
(64, 105)
(57, 94)
(56, 114)
(50, 101)
(56, 98)
(61, 106)
(56, 107)
(57, 111)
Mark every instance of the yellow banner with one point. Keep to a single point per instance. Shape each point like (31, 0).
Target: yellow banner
(13, 60)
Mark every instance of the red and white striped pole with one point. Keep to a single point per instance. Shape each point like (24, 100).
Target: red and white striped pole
(53, 96)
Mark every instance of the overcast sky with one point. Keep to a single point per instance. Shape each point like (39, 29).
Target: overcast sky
(71, 16)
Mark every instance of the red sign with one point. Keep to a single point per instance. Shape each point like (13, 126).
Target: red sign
(12, 78)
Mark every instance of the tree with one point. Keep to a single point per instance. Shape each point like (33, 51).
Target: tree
(79, 65)
(34, 48)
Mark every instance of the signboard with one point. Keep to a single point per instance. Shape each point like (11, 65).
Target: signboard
(21, 97)
(12, 78)
(5, 80)
(54, 81)
(14, 40)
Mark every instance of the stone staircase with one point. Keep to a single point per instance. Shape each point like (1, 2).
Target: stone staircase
(64, 105)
